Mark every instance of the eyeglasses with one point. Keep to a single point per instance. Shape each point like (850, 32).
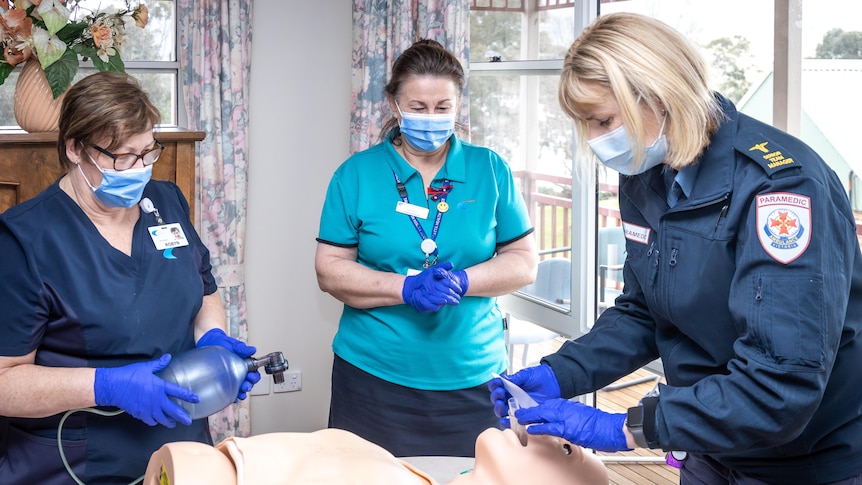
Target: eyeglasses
(125, 161)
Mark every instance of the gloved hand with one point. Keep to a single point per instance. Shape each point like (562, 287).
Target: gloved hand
(539, 382)
(577, 423)
(217, 337)
(135, 389)
(460, 278)
(431, 289)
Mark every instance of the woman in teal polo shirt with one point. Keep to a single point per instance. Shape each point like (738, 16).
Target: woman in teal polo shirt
(418, 236)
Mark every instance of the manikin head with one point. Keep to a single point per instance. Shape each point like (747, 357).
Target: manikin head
(333, 456)
(501, 460)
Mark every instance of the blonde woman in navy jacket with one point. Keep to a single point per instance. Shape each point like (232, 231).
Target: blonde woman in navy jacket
(743, 274)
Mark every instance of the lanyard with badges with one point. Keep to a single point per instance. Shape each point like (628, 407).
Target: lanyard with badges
(429, 244)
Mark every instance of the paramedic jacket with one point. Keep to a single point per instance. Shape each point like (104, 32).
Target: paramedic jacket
(750, 291)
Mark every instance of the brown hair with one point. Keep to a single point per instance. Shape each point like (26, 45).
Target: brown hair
(425, 57)
(108, 106)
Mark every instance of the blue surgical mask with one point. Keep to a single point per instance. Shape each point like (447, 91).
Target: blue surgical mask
(120, 189)
(613, 150)
(426, 132)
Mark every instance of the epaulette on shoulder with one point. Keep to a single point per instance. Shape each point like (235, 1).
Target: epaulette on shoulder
(766, 152)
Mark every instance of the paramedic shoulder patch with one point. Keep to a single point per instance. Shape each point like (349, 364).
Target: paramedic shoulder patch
(767, 153)
(784, 224)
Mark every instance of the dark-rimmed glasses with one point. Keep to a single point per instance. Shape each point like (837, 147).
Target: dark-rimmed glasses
(125, 161)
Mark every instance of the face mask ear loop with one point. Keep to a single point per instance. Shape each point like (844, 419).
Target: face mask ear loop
(85, 177)
(660, 130)
(399, 112)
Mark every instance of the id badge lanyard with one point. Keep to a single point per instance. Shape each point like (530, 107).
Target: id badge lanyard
(428, 244)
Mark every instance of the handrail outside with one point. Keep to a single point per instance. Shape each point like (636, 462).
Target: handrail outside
(552, 214)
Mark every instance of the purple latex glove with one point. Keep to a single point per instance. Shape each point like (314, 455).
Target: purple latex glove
(539, 382)
(577, 423)
(136, 390)
(431, 289)
(217, 337)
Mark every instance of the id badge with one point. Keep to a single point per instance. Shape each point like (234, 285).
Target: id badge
(168, 236)
(411, 210)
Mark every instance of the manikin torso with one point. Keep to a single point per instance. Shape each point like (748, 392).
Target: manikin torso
(333, 456)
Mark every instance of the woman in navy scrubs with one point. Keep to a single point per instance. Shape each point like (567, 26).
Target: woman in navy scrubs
(97, 294)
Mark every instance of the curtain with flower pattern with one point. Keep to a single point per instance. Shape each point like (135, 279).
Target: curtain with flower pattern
(382, 29)
(215, 42)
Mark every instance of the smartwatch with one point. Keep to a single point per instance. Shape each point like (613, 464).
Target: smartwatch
(640, 422)
(635, 424)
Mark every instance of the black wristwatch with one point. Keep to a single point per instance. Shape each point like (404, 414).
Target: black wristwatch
(640, 422)
(635, 424)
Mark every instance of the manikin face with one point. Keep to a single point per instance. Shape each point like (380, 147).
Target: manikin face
(501, 460)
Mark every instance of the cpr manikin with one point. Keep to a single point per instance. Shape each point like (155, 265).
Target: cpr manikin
(333, 456)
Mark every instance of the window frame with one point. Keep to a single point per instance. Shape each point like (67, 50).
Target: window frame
(573, 322)
(180, 114)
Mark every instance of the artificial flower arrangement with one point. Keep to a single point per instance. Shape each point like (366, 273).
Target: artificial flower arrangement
(52, 33)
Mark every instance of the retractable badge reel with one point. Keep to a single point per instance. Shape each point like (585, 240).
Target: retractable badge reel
(676, 458)
(429, 247)
(148, 207)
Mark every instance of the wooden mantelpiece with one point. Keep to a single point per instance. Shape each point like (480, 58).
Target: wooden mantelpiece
(29, 163)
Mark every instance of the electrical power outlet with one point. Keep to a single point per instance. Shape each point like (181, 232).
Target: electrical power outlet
(292, 381)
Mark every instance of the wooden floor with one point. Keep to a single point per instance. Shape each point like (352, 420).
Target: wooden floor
(639, 467)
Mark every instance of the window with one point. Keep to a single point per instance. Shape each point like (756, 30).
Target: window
(149, 54)
(516, 51)
(806, 88)
(831, 70)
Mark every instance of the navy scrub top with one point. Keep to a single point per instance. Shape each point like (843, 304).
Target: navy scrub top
(79, 302)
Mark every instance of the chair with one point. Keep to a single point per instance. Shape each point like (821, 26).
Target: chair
(611, 256)
(553, 284)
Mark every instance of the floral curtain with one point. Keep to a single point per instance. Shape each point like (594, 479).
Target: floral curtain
(382, 29)
(215, 42)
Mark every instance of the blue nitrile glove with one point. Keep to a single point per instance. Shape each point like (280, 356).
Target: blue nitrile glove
(429, 290)
(217, 337)
(136, 390)
(539, 382)
(577, 423)
(460, 278)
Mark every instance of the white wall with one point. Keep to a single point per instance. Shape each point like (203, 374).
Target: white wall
(299, 104)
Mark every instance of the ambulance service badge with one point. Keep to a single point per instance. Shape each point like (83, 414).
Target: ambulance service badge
(784, 225)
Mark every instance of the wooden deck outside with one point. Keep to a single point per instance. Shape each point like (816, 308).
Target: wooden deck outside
(631, 473)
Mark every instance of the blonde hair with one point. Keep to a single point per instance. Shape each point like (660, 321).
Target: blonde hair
(632, 56)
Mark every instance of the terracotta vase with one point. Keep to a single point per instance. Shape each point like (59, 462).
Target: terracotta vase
(36, 110)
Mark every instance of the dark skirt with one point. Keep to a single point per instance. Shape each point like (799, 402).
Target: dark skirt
(407, 421)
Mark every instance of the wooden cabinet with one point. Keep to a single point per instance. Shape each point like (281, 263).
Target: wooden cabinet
(29, 163)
